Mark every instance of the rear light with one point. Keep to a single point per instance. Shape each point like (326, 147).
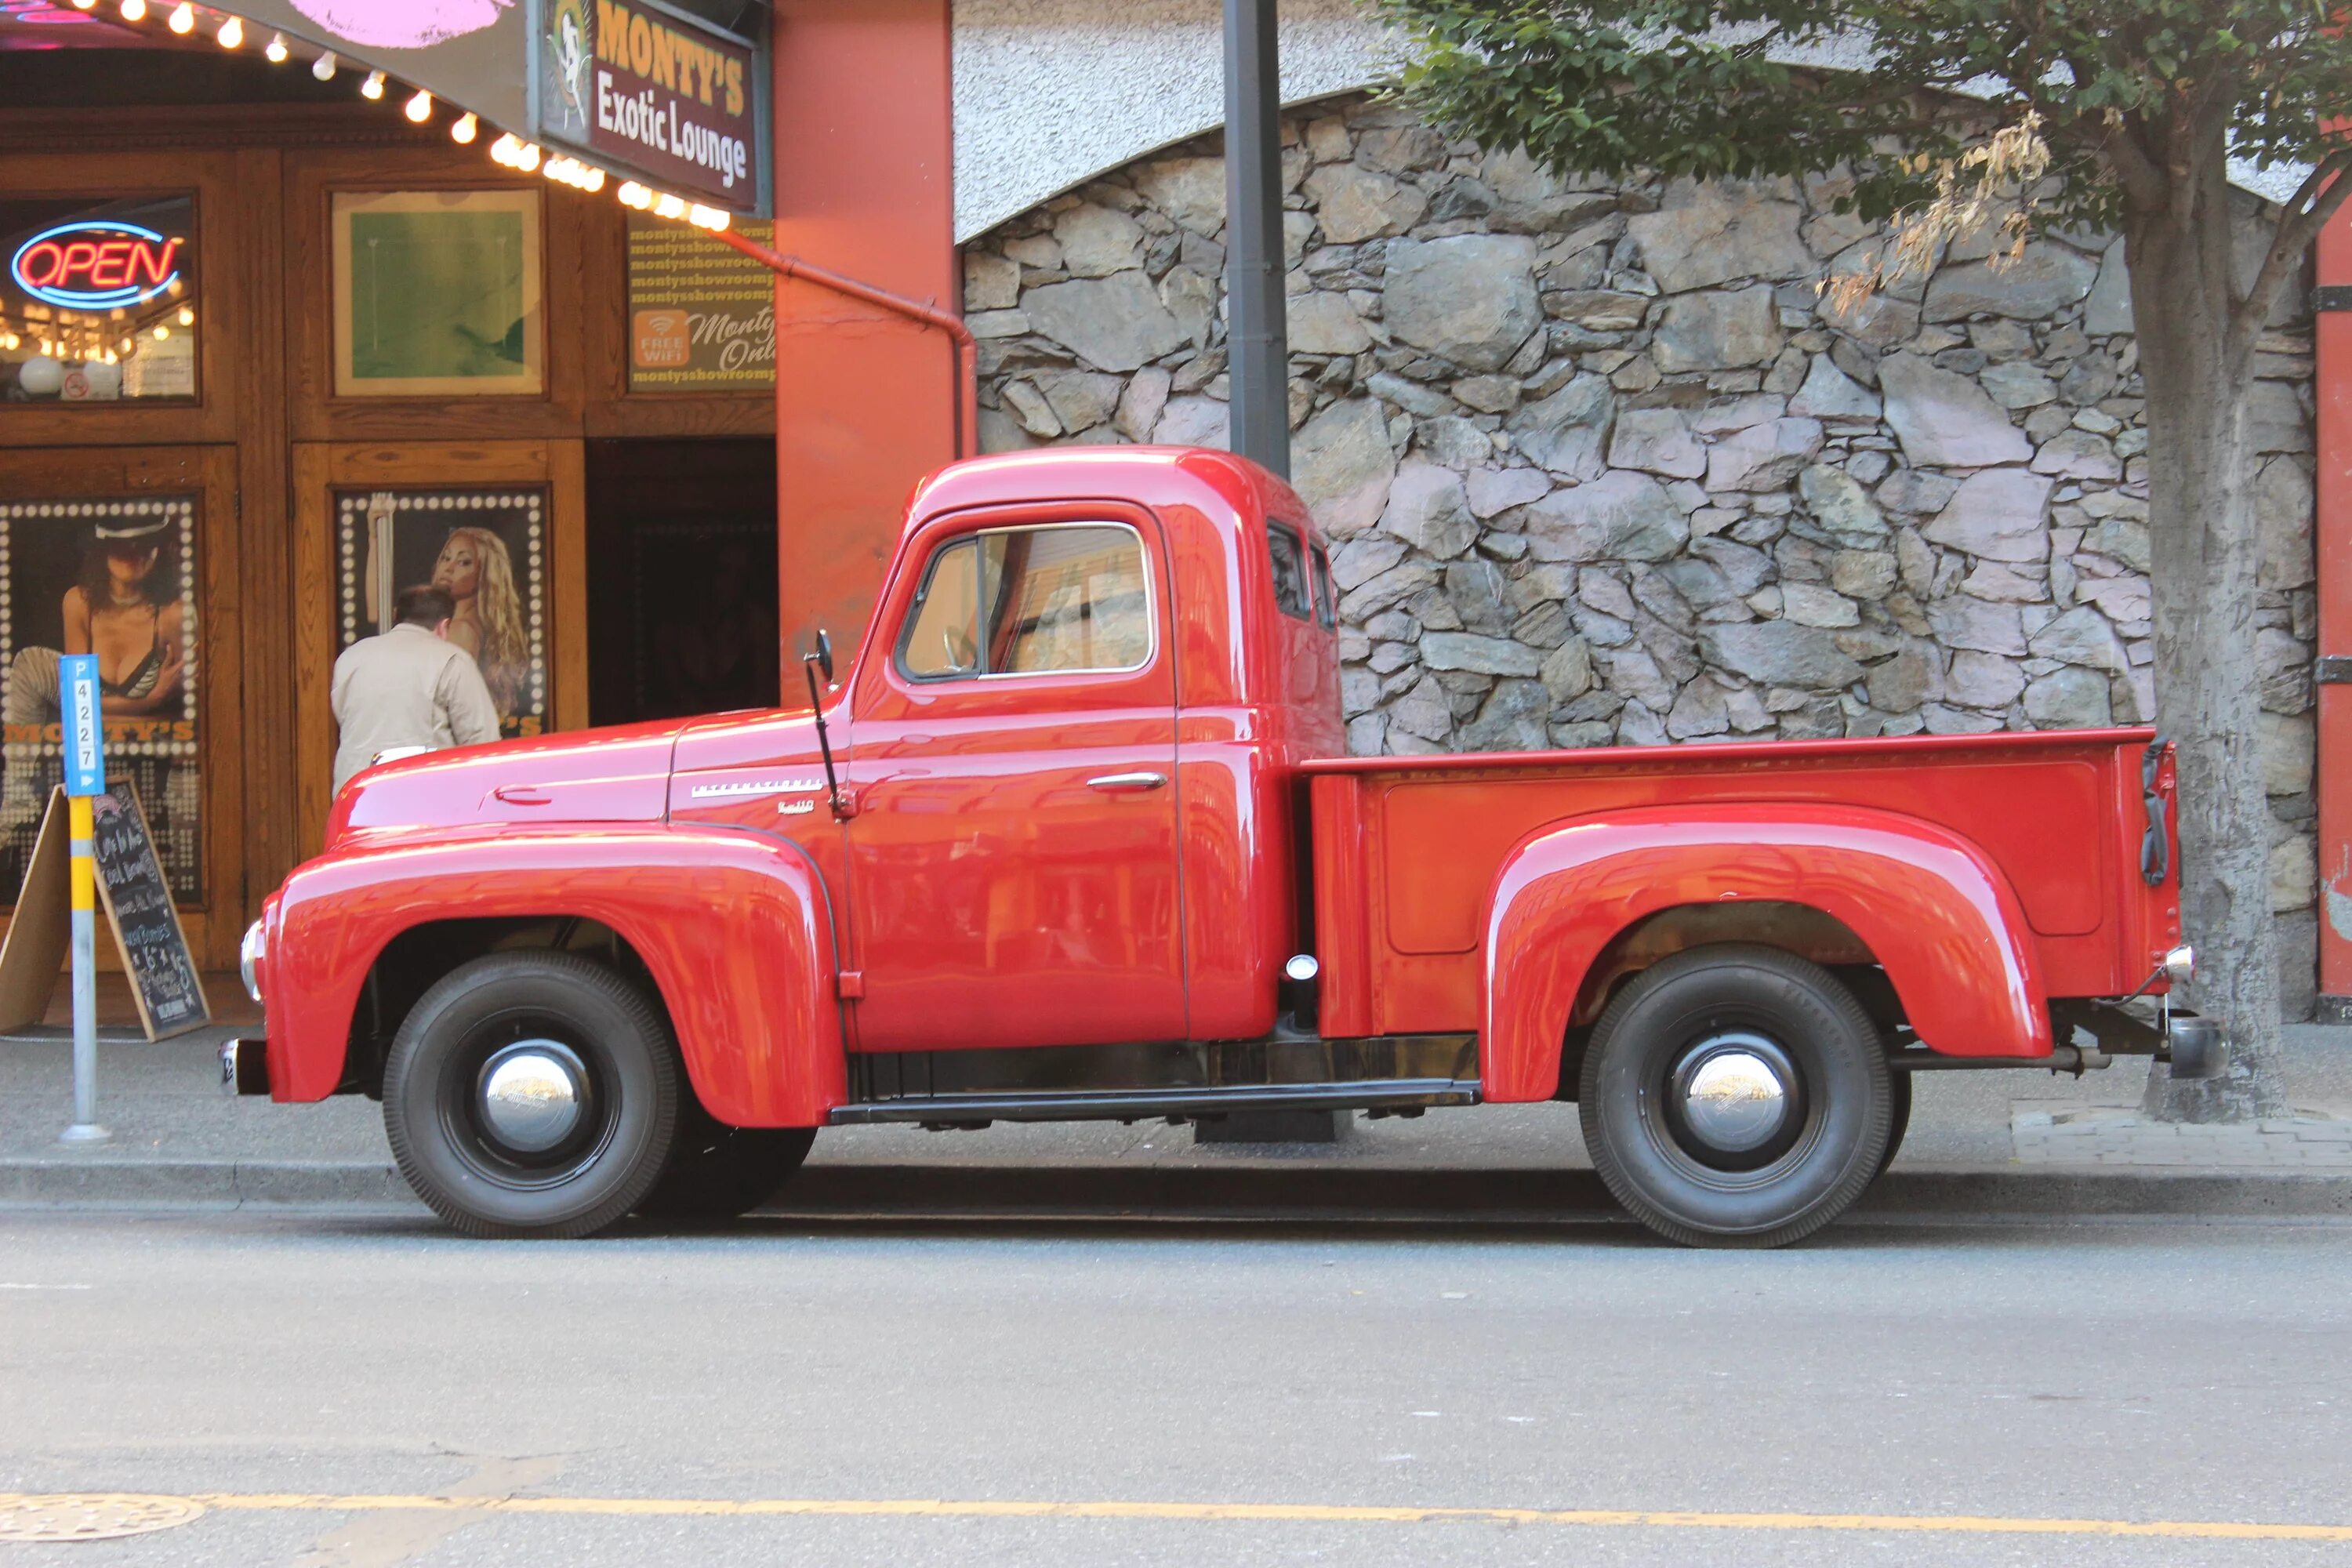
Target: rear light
(2180, 964)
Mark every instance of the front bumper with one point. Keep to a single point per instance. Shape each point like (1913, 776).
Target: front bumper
(245, 1067)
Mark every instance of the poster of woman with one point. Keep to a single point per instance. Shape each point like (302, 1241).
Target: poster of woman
(117, 579)
(486, 548)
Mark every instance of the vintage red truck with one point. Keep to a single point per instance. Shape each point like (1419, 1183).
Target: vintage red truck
(1075, 836)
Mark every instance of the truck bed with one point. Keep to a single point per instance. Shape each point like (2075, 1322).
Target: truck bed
(1407, 849)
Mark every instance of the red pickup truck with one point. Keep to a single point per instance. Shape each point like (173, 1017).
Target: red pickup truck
(1074, 837)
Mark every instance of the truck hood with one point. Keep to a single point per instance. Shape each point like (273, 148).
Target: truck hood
(619, 774)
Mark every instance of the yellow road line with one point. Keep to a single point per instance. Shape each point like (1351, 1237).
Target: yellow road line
(1306, 1513)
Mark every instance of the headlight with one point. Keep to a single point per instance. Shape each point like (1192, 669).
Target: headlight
(249, 958)
(2180, 964)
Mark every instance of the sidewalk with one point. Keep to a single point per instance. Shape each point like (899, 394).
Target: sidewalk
(1991, 1142)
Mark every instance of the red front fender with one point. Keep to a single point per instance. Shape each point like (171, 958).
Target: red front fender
(734, 928)
(1935, 912)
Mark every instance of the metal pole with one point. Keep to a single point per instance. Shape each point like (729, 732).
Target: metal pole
(85, 1128)
(84, 776)
(1257, 338)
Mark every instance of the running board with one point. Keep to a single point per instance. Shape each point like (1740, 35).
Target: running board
(1129, 1105)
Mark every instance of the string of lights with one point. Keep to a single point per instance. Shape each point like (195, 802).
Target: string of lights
(508, 150)
(95, 337)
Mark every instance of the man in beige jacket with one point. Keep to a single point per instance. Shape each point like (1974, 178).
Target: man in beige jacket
(410, 686)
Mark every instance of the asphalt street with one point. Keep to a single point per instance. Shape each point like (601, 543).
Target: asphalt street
(1177, 1393)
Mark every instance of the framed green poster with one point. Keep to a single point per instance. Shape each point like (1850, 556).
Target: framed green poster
(437, 294)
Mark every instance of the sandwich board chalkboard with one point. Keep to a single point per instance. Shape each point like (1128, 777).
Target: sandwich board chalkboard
(138, 907)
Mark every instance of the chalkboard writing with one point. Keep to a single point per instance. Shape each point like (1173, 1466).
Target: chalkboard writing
(139, 905)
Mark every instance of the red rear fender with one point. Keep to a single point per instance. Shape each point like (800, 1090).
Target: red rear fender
(735, 929)
(1935, 912)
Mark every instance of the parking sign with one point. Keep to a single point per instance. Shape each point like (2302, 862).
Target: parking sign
(85, 737)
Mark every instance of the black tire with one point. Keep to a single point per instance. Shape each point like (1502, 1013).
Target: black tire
(1899, 1120)
(718, 1172)
(613, 1041)
(1754, 1006)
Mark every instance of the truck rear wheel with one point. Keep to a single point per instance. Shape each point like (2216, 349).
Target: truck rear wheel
(531, 1094)
(1735, 1096)
(718, 1172)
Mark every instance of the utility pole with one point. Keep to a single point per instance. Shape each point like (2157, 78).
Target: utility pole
(1258, 339)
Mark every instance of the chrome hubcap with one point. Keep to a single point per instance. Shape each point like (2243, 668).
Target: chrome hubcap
(533, 1095)
(1735, 1100)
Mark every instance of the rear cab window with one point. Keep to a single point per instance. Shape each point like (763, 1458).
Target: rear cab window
(1327, 613)
(1289, 558)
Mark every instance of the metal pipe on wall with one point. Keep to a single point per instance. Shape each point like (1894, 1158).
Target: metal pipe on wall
(1257, 338)
(966, 381)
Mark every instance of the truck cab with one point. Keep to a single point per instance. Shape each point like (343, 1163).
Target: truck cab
(1074, 836)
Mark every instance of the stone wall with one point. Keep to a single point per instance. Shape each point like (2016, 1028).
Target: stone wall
(1601, 466)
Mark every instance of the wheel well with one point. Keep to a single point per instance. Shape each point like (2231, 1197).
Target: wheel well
(1793, 928)
(411, 961)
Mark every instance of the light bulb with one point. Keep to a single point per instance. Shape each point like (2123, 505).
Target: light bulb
(126, 345)
(134, 10)
(594, 181)
(231, 35)
(184, 17)
(469, 125)
(187, 316)
(420, 108)
(373, 87)
(277, 51)
(668, 206)
(85, 4)
(527, 157)
(323, 68)
(162, 332)
(711, 218)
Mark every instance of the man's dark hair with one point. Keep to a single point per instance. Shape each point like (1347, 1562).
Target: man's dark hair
(425, 605)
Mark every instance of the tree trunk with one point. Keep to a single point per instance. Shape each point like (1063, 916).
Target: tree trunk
(2198, 366)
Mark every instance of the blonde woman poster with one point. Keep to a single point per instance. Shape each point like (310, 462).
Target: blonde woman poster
(484, 548)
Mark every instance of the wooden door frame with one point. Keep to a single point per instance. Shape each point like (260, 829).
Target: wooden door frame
(215, 924)
(322, 468)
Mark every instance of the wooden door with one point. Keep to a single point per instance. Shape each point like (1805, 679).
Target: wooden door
(372, 518)
(132, 553)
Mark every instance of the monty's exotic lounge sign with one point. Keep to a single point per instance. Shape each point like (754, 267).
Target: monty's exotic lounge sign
(654, 93)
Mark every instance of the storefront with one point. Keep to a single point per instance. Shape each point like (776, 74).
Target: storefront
(272, 348)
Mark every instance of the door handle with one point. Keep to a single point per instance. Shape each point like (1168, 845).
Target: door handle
(521, 794)
(1126, 784)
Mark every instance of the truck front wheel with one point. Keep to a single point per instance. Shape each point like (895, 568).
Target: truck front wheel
(1735, 1096)
(531, 1094)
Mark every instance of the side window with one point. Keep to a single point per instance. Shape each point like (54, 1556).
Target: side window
(942, 636)
(1025, 601)
(1326, 612)
(1289, 571)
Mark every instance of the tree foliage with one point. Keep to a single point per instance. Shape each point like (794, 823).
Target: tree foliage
(2127, 94)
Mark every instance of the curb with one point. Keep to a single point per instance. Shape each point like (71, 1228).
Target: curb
(912, 1193)
(63, 1181)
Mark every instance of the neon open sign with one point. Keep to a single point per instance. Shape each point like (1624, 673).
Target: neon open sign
(96, 264)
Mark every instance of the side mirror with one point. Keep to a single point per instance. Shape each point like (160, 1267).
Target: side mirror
(823, 657)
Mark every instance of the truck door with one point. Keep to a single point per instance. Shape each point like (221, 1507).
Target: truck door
(1013, 855)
